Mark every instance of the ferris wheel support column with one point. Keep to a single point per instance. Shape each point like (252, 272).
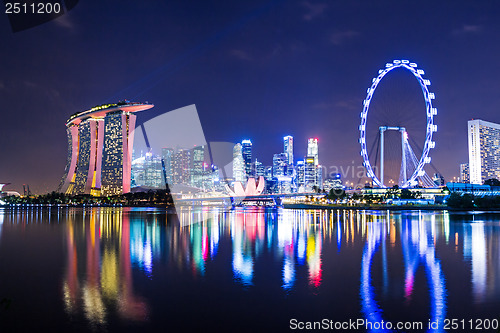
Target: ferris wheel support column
(403, 155)
(382, 130)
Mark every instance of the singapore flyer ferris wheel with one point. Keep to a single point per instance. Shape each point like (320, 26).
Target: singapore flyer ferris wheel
(412, 171)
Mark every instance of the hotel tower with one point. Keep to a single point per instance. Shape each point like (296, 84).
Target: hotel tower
(100, 142)
(484, 150)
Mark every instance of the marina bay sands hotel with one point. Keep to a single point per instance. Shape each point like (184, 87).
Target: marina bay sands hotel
(100, 142)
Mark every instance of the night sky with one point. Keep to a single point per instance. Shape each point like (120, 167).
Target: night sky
(254, 69)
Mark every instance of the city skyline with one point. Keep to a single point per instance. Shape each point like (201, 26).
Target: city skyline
(259, 70)
(192, 170)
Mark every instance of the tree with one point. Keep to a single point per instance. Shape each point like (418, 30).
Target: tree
(492, 182)
(407, 194)
(393, 192)
(460, 201)
(336, 194)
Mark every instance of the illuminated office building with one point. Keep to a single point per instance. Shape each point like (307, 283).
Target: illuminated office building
(484, 150)
(167, 157)
(147, 171)
(197, 169)
(268, 173)
(260, 169)
(288, 148)
(313, 172)
(100, 142)
(279, 165)
(211, 177)
(438, 179)
(333, 183)
(182, 167)
(312, 149)
(246, 151)
(300, 176)
(239, 174)
(319, 176)
(310, 177)
(464, 173)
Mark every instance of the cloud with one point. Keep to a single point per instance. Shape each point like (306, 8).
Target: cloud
(352, 104)
(348, 104)
(339, 37)
(64, 22)
(30, 84)
(240, 54)
(261, 55)
(314, 10)
(323, 106)
(467, 29)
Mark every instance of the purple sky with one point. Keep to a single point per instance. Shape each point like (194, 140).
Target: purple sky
(254, 69)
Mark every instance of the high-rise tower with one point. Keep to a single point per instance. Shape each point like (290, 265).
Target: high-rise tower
(167, 160)
(182, 166)
(197, 158)
(464, 173)
(246, 151)
(288, 148)
(312, 149)
(484, 150)
(238, 164)
(100, 142)
(279, 164)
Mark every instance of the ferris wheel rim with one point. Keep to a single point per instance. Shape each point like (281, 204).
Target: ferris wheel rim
(430, 113)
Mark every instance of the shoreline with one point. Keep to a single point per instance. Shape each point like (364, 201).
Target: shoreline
(389, 207)
(285, 206)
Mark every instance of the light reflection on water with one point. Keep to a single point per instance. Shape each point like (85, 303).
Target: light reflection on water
(100, 253)
(107, 250)
(417, 241)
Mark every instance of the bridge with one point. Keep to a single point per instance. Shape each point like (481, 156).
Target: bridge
(258, 200)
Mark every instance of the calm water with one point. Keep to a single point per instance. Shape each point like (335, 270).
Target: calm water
(247, 270)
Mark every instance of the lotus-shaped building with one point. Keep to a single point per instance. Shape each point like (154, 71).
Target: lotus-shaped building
(251, 189)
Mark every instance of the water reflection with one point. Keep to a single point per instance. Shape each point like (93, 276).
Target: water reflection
(400, 258)
(100, 252)
(297, 237)
(417, 237)
(247, 235)
(1, 223)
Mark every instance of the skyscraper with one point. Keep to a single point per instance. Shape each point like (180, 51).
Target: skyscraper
(484, 150)
(167, 159)
(464, 173)
(147, 171)
(300, 180)
(268, 173)
(312, 149)
(238, 164)
(313, 153)
(100, 144)
(288, 148)
(310, 177)
(182, 167)
(279, 164)
(246, 151)
(212, 178)
(259, 169)
(196, 168)
(438, 179)
(319, 176)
